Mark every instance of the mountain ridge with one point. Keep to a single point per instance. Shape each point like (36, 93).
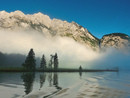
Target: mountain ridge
(115, 40)
(17, 20)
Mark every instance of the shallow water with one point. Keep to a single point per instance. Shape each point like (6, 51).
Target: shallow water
(65, 85)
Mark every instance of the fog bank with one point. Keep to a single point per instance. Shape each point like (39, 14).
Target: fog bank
(70, 53)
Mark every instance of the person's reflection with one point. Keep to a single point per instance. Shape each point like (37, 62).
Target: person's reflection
(42, 79)
(28, 79)
(55, 81)
(50, 78)
(80, 74)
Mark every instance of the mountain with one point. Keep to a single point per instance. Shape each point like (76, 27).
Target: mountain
(48, 27)
(18, 21)
(115, 40)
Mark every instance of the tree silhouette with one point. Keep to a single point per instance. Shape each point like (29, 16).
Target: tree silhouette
(30, 61)
(43, 63)
(55, 61)
(51, 61)
(80, 68)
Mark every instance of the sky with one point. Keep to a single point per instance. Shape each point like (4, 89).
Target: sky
(100, 17)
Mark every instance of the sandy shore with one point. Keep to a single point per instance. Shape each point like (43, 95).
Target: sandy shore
(81, 89)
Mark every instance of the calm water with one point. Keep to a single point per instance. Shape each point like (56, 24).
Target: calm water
(65, 85)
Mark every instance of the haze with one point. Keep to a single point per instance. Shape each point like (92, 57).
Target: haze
(71, 54)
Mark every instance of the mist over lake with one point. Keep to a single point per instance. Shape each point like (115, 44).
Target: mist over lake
(65, 49)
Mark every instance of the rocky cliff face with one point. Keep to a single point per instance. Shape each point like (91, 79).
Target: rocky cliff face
(18, 21)
(115, 40)
(48, 27)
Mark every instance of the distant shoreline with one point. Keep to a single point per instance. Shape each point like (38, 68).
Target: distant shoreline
(57, 70)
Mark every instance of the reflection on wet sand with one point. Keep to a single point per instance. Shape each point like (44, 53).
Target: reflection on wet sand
(55, 83)
(28, 79)
(85, 85)
(80, 74)
(50, 79)
(42, 79)
(90, 91)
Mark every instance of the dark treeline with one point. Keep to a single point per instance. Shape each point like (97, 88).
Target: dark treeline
(13, 60)
(30, 62)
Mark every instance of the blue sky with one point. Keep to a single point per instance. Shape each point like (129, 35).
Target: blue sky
(98, 16)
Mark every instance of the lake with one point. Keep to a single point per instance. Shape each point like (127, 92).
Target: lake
(65, 85)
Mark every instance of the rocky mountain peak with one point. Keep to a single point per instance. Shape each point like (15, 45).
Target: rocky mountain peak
(17, 20)
(116, 40)
(39, 22)
(17, 13)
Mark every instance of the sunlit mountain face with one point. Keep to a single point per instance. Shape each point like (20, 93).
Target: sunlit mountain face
(65, 49)
(74, 44)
